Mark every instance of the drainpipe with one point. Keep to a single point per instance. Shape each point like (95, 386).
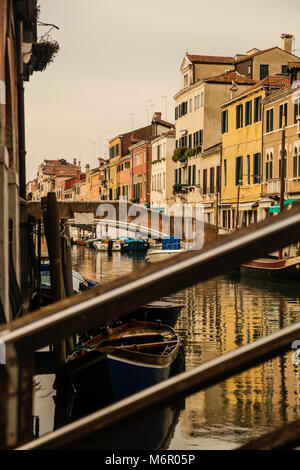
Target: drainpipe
(21, 113)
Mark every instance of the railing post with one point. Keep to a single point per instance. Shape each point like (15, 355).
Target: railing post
(15, 398)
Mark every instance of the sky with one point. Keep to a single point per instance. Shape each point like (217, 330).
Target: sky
(119, 62)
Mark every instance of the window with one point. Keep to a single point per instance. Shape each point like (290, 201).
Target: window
(248, 113)
(257, 109)
(194, 175)
(248, 169)
(296, 164)
(181, 110)
(284, 69)
(189, 175)
(224, 121)
(186, 79)
(201, 99)
(264, 71)
(218, 178)
(296, 109)
(270, 120)
(283, 110)
(205, 181)
(190, 141)
(158, 152)
(183, 141)
(225, 172)
(256, 168)
(238, 171)
(198, 138)
(249, 70)
(212, 180)
(279, 167)
(239, 116)
(190, 106)
(269, 166)
(196, 101)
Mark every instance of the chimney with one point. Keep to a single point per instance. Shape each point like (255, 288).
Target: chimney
(233, 91)
(157, 116)
(74, 161)
(87, 167)
(287, 42)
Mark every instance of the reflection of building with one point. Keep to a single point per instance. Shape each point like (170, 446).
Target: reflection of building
(221, 315)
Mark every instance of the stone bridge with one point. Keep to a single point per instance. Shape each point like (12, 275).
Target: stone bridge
(132, 217)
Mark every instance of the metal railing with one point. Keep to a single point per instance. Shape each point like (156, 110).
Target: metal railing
(127, 294)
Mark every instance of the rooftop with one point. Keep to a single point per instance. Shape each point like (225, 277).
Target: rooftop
(229, 77)
(208, 59)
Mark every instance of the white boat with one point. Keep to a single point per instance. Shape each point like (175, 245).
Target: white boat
(155, 255)
(103, 245)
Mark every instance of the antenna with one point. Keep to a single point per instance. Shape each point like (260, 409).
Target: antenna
(147, 111)
(166, 103)
(131, 114)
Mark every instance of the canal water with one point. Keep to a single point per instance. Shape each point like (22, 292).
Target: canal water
(218, 316)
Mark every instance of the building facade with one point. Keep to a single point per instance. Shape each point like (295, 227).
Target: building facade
(242, 147)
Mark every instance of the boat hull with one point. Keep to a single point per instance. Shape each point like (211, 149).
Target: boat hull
(273, 269)
(154, 256)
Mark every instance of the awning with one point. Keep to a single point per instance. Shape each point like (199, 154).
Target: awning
(276, 208)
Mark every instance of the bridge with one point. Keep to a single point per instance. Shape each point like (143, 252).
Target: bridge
(132, 217)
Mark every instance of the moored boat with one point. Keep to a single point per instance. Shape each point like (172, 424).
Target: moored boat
(134, 245)
(273, 268)
(124, 359)
(170, 246)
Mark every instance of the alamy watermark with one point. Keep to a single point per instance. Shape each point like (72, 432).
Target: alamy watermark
(2, 353)
(296, 352)
(185, 222)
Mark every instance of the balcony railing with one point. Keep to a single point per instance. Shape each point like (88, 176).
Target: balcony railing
(273, 186)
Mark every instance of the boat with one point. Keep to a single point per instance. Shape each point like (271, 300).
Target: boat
(104, 245)
(123, 360)
(134, 245)
(273, 268)
(170, 246)
(163, 310)
(84, 241)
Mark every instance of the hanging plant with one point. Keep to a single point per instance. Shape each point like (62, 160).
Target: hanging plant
(43, 53)
(179, 154)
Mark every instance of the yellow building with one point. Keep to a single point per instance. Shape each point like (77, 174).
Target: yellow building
(241, 126)
(115, 153)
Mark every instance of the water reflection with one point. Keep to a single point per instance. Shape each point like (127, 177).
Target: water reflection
(220, 315)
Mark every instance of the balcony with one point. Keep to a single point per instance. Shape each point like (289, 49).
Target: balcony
(273, 186)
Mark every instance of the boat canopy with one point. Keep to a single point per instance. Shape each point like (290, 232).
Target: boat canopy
(276, 208)
(171, 243)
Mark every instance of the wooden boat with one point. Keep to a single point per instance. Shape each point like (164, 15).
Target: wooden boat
(163, 310)
(123, 360)
(273, 268)
(83, 241)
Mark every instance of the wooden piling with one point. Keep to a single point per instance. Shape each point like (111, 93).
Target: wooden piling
(52, 233)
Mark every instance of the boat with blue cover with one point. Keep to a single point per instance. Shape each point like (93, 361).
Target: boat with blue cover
(134, 245)
(170, 246)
